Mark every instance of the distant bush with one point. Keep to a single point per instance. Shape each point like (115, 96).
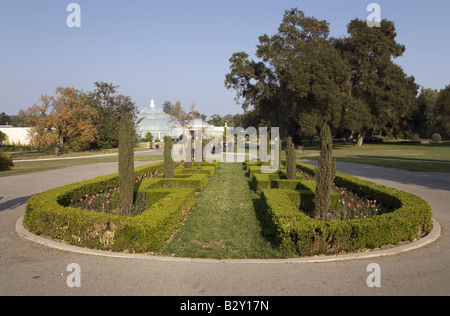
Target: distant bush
(415, 138)
(5, 161)
(436, 138)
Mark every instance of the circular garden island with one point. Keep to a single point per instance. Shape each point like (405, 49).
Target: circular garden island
(363, 215)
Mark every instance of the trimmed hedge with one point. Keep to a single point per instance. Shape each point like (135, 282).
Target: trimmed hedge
(48, 214)
(305, 188)
(411, 219)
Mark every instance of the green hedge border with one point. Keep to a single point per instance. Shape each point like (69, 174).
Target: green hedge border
(411, 219)
(47, 213)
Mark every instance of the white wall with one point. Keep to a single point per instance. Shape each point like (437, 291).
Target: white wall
(16, 135)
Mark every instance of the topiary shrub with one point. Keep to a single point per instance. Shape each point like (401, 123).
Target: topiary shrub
(436, 138)
(169, 164)
(291, 157)
(415, 138)
(410, 219)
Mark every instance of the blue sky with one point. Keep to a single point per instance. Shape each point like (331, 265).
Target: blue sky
(179, 49)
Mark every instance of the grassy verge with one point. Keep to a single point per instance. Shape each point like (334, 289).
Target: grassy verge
(411, 157)
(225, 222)
(34, 166)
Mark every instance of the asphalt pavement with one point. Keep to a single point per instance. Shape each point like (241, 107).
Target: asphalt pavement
(30, 268)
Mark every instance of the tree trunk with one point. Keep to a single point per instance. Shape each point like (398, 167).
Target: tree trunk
(360, 141)
(60, 145)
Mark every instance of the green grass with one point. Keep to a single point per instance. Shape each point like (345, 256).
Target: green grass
(34, 166)
(225, 222)
(412, 157)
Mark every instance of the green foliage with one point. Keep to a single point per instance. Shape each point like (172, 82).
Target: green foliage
(325, 174)
(436, 138)
(49, 214)
(5, 161)
(415, 138)
(411, 218)
(169, 164)
(126, 163)
(148, 137)
(110, 107)
(291, 158)
(2, 136)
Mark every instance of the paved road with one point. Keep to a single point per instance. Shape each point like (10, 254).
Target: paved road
(27, 268)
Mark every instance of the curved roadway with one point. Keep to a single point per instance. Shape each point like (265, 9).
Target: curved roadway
(28, 268)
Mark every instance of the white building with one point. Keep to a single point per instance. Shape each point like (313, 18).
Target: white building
(16, 135)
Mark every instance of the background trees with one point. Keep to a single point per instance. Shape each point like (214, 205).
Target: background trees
(303, 78)
(110, 107)
(62, 118)
(384, 93)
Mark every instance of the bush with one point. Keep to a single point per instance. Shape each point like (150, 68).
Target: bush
(415, 138)
(436, 138)
(5, 161)
(49, 214)
(411, 219)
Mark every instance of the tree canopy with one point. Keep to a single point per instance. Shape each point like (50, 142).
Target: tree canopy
(303, 78)
(62, 118)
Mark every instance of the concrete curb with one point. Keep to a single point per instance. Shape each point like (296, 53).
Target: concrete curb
(434, 235)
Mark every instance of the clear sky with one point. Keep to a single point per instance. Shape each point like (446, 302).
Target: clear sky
(170, 50)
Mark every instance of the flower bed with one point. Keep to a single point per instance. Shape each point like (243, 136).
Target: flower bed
(410, 219)
(52, 214)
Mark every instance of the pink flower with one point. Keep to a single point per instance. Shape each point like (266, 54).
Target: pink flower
(107, 202)
(356, 216)
(349, 205)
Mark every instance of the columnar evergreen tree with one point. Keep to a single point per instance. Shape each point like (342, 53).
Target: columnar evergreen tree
(126, 163)
(169, 164)
(325, 174)
(291, 164)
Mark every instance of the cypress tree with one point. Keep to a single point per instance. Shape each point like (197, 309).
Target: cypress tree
(291, 165)
(325, 174)
(169, 164)
(126, 164)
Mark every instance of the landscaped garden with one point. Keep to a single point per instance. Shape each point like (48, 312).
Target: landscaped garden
(227, 211)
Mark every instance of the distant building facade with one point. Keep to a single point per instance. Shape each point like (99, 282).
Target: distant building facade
(160, 124)
(16, 135)
(155, 121)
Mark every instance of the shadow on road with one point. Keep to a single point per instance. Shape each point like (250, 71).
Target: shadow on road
(14, 203)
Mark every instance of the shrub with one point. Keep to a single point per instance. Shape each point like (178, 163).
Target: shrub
(415, 138)
(411, 218)
(126, 163)
(436, 138)
(169, 164)
(324, 174)
(291, 157)
(5, 161)
(49, 214)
